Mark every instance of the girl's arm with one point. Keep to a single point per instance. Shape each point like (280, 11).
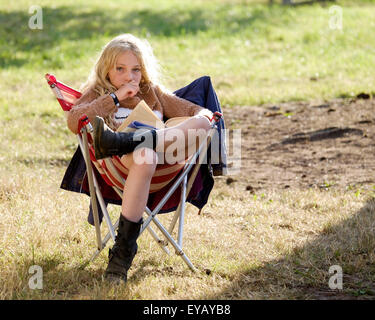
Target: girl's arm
(174, 106)
(91, 105)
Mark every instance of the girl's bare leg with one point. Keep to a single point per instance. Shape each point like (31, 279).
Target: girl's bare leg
(137, 185)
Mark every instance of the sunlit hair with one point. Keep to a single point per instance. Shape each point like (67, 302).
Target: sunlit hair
(99, 79)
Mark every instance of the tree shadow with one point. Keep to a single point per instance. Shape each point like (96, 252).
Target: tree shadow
(301, 274)
(294, 3)
(304, 273)
(45, 162)
(69, 24)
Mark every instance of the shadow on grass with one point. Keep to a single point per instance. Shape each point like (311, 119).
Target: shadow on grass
(45, 162)
(304, 273)
(301, 274)
(57, 281)
(71, 24)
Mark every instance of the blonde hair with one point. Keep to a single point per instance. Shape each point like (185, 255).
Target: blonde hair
(150, 69)
(98, 81)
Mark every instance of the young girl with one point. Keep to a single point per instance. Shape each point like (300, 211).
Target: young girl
(125, 74)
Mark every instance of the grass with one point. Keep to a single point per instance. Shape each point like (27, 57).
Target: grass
(254, 249)
(279, 244)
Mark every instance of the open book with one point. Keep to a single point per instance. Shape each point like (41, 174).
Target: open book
(143, 113)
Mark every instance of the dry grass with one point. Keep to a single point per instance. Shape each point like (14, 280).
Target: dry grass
(278, 245)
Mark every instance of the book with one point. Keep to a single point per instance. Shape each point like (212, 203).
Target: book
(143, 113)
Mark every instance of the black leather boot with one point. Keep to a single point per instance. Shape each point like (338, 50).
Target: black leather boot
(108, 143)
(122, 253)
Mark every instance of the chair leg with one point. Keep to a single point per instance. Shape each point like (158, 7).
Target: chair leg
(182, 212)
(160, 242)
(104, 242)
(85, 151)
(175, 245)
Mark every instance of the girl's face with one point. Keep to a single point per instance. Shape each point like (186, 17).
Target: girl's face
(127, 69)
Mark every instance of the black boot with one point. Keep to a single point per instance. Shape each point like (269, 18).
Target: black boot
(125, 248)
(108, 143)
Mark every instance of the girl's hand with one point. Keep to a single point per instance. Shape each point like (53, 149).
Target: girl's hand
(204, 113)
(127, 90)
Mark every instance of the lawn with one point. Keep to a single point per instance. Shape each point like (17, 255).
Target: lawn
(256, 55)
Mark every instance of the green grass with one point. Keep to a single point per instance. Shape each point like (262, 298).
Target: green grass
(255, 53)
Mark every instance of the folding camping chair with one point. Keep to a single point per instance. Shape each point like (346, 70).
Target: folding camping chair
(110, 171)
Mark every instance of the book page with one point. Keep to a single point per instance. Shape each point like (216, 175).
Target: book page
(142, 113)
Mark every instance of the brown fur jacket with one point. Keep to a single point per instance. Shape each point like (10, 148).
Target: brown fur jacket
(167, 104)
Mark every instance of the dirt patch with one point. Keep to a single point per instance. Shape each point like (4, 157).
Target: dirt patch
(305, 145)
